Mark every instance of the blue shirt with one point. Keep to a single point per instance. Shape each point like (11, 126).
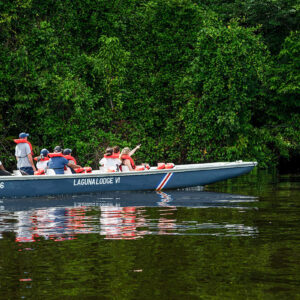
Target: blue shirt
(57, 164)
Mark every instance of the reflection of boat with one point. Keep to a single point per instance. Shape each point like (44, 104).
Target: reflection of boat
(118, 215)
(179, 177)
(179, 198)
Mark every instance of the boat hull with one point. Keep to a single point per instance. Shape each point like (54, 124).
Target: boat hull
(179, 177)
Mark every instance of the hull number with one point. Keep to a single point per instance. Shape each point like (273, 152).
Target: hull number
(1, 185)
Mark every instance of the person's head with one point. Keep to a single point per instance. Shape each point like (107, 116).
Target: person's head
(116, 149)
(126, 151)
(109, 151)
(67, 151)
(44, 152)
(23, 135)
(57, 149)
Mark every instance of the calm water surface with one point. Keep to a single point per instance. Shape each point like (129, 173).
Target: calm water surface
(238, 239)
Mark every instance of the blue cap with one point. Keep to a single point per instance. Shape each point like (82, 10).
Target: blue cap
(67, 151)
(44, 152)
(23, 135)
(57, 149)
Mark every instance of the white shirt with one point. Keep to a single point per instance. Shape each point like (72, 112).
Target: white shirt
(42, 164)
(0, 163)
(110, 163)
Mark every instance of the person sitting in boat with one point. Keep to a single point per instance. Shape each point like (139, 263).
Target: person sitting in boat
(116, 150)
(127, 163)
(110, 161)
(67, 154)
(3, 172)
(24, 153)
(42, 160)
(133, 150)
(58, 162)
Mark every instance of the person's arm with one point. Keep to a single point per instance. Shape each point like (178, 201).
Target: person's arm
(127, 163)
(133, 150)
(73, 166)
(31, 161)
(2, 168)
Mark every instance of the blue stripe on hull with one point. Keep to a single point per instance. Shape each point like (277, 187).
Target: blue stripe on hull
(92, 184)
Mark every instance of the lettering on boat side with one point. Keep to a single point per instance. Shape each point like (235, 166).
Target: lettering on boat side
(96, 181)
(2, 185)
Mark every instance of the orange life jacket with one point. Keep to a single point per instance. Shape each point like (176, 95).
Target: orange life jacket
(56, 154)
(59, 154)
(39, 172)
(79, 170)
(37, 158)
(125, 156)
(19, 141)
(161, 166)
(169, 166)
(88, 169)
(139, 168)
(70, 157)
(114, 155)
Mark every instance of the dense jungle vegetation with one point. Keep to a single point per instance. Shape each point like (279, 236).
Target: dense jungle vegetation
(192, 81)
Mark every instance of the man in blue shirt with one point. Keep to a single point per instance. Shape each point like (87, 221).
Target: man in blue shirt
(58, 161)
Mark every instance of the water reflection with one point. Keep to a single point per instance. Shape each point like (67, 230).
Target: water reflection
(127, 215)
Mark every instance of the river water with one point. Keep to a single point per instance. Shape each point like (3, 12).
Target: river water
(238, 239)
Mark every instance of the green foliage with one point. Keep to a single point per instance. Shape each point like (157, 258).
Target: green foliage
(224, 78)
(176, 76)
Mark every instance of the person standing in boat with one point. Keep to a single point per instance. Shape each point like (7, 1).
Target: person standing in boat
(110, 161)
(42, 160)
(24, 153)
(58, 162)
(3, 172)
(67, 154)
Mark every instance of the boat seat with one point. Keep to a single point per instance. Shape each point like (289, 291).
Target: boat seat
(50, 172)
(68, 171)
(125, 169)
(17, 173)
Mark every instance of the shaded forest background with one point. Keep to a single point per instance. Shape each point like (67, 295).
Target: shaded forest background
(192, 81)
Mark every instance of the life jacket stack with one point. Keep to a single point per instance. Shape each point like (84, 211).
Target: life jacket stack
(79, 170)
(161, 166)
(88, 169)
(139, 168)
(169, 166)
(83, 170)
